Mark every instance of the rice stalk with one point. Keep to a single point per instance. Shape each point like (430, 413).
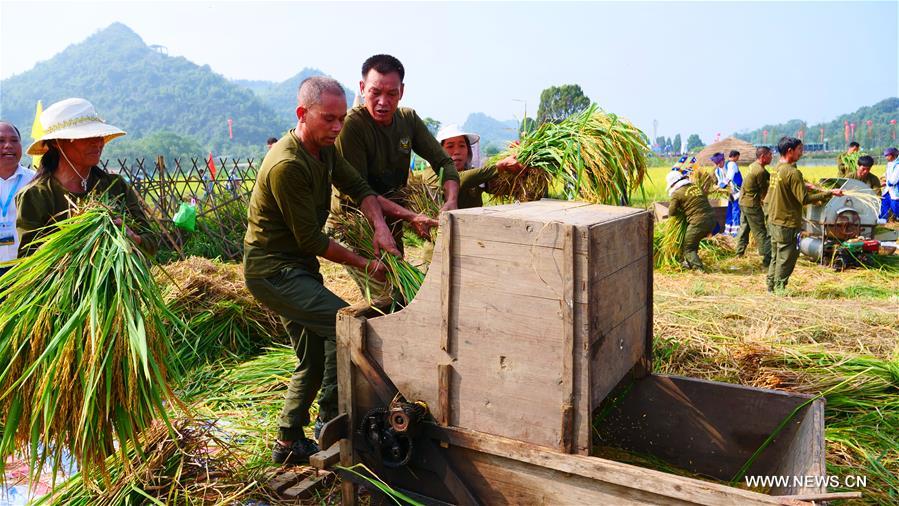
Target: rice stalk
(353, 229)
(85, 345)
(593, 156)
(866, 198)
(668, 242)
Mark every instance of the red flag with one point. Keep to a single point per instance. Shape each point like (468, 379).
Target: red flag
(846, 130)
(765, 136)
(230, 133)
(210, 164)
(893, 129)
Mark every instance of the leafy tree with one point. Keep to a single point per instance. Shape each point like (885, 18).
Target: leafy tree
(432, 124)
(559, 102)
(694, 143)
(676, 145)
(660, 142)
(168, 144)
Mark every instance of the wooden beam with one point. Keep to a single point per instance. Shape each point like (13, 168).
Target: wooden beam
(623, 475)
(325, 458)
(444, 377)
(566, 442)
(446, 281)
(346, 326)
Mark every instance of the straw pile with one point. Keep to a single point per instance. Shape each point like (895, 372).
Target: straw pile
(191, 464)
(224, 319)
(85, 345)
(592, 156)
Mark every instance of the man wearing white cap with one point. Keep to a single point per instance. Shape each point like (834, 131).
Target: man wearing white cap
(461, 147)
(13, 177)
(690, 203)
(73, 140)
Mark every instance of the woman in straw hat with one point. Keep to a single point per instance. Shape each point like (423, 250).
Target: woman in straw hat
(462, 147)
(73, 140)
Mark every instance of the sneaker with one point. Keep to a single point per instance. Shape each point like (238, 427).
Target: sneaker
(317, 428)
(297, 453)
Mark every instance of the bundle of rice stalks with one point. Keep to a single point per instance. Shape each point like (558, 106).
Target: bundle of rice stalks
(85, 345)
(704, 177)
(593, 156)
(191, 464)
(667, 242)
(224, 319)
(353, 229)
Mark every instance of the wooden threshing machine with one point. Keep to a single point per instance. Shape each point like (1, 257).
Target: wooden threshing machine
(532, 318)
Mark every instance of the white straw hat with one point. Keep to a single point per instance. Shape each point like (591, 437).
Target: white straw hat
(674, 180)
(450, 131)
(72, 118)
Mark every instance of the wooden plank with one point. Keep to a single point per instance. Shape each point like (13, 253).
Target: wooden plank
(644, 367)
(446, 280)
(805, 455)
(616, 353)
(444, 373)
(617, 296)
(307, 488)
(566, 442)
(587, 478)
(325, 458)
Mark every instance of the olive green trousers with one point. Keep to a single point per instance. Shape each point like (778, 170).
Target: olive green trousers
(784, 253)
(752, 219)
(308, 312)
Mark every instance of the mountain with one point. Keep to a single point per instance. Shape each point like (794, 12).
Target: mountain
(282, 97)
(494, 133)
(143, 91)
(880, 115)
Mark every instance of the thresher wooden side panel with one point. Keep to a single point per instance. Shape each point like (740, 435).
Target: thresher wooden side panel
(806, 454)
(617, 296)
(619, 243)
(613, 355)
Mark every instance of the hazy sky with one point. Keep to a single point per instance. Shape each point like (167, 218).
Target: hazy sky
(702, 67)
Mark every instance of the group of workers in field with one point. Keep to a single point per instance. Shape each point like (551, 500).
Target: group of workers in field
(768, 204)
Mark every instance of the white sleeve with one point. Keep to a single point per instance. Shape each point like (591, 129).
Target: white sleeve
(893, 174)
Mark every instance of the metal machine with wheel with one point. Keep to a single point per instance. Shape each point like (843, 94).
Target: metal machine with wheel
(840, 232)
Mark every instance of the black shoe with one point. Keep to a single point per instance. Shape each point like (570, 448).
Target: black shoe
(317, 428)
(297, 453)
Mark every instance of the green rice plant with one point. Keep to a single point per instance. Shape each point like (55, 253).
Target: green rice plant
(363, 473)
(354, 230)
(595, 156)
(422, 198)
(668, 242)
(86, 360)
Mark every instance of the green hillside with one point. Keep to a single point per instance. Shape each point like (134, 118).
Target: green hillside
(144, 91)
(879, 114)
(282, 97)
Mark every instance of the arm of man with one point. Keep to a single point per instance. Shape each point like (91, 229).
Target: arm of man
(427, 146)
(674, 206)
(349, 182)
(801, 190)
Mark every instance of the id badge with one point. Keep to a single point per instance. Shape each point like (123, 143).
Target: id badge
(7, 233)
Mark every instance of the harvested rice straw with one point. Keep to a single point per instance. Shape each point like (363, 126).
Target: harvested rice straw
(593, 156)
(85, 345)
(867, 199)
(668, 241)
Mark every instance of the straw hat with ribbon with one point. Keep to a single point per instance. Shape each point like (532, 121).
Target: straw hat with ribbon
(72, 118)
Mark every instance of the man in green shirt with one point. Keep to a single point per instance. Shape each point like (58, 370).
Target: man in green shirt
(844, 167)
(690, 203)
(752, 216)
(379, 137)
(288, 208)
(787, 194)
(863, 173)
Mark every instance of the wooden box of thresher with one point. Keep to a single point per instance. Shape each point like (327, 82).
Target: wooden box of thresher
(528, 345)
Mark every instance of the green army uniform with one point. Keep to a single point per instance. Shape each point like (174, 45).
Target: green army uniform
(382, 155)
(752, 213)
(870, 180)
(692, 203)
(787, 195)
(472, 183)
(45, 200)
(287, 211)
